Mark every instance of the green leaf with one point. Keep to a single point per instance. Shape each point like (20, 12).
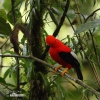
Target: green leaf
(58, 78)
(14, 78)
(38, 5)
(28, 67)
(7, 73)
(7, 5)
(17, 2)
(12, 70)
(17, 16)
(61, 89)
(87, 26)
(29, 71)
(2, 81)
(9, 52)
(53, 18)
(94, 2)
(46, 83)
(3, 14)
(5, 28)
(55, 11)
(11, 85)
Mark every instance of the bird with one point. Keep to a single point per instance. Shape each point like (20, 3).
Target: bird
(63, 55)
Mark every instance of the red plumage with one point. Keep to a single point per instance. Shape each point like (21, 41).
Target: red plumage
(62, 54)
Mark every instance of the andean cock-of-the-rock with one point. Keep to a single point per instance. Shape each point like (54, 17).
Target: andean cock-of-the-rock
(63, 55)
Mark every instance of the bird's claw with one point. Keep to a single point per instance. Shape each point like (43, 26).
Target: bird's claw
(65, 71)
(56, 69)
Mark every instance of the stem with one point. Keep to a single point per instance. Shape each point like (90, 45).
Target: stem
(96, 74)
(18, 77)
(95, 51)
(91, 15)
(78, 11)
(62, 19)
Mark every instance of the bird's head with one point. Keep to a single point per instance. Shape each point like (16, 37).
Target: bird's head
(52, 41)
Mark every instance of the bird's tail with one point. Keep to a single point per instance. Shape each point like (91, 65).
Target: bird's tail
(79, 73)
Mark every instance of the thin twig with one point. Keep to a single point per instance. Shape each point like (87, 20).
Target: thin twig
(62, 19)
(96, 73)
(94, 47)
(97, 94)
(18, 76)
(78, 11)
(91, 14)
(70, 22)
(5, 86)
(2, 94)
(4, 43)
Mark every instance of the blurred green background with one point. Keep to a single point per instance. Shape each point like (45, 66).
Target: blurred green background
(81, 43)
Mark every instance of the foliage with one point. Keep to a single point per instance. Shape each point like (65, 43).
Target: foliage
(28, 18)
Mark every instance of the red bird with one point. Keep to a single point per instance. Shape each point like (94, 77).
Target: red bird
(63, 55)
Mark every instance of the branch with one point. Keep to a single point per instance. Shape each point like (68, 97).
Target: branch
(97, 94)
(18, 76)
(91, 15)
(5, 86)
(62, 19)
(2, 94)
(94, 47)
(4, 43)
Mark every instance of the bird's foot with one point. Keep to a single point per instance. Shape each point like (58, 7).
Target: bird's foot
(65, 71)
(56, 69)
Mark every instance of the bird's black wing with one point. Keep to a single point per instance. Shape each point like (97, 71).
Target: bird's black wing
(69, 58)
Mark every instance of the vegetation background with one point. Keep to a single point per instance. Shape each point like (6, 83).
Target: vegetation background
(24, 24)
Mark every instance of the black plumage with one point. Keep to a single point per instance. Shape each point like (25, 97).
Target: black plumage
(69, 58)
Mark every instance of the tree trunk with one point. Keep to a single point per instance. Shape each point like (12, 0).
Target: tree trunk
(37, 92)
